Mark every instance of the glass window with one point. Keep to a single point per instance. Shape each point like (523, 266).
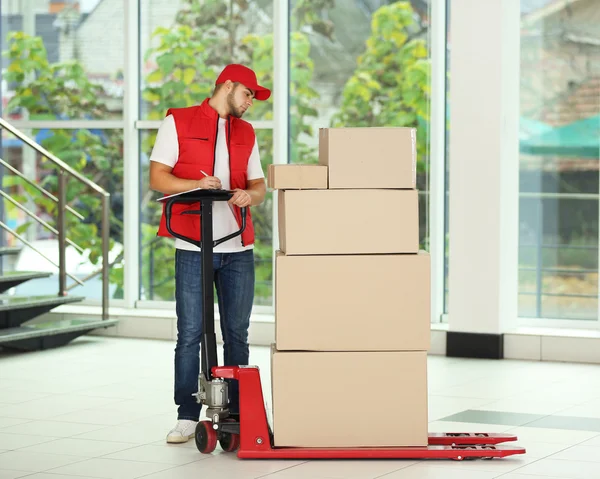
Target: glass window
(360, 64)
(184, 45)
(559, 145)
(97, 155)
(76, 48)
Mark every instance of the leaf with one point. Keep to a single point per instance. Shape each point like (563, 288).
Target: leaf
(15, 67)
(150, 96)
(188, 76)
(10, 181)
(166, 62)
(160, 31)
(15, 77)
(22, 228)
(155, 77)
(57, 142)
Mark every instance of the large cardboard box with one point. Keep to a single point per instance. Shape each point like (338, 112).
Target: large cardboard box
(348, 221)
(370, 157)
(352, 302)
(297, 177)
(349, 399)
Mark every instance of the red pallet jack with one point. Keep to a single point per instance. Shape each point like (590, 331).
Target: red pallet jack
(249, 432)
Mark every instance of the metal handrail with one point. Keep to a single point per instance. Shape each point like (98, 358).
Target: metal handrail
(5, 227)
(58, 162)
(63, 171)
(38, 187)
(45, 224)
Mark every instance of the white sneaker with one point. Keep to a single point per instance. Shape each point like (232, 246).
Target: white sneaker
(182, 432)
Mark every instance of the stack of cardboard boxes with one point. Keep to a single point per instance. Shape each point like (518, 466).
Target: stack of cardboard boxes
(349, 366)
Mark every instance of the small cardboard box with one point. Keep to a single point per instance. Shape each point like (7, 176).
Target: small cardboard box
(353, 302)
(348, 221)
(297, 177)
(369, 157)
(349, 399)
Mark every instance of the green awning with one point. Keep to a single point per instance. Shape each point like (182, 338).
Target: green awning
(580, 139)
(529, 128)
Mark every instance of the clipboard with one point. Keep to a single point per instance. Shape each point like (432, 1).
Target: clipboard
(198, 194)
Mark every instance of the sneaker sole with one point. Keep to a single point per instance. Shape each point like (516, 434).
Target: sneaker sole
(178, 439)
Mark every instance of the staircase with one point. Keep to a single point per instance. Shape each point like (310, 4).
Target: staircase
(21, 327)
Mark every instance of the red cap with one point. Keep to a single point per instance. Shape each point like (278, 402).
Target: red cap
(245, 76)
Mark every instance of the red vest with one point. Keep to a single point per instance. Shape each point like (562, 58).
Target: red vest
(197, 128)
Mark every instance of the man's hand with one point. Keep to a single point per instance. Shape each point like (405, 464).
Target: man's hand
(240, 198)
(253, 195)
(163, 180)
(210, 183)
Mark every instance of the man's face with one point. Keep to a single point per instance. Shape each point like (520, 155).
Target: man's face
(239, 99)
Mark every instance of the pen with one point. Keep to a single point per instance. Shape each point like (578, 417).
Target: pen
(203, 173)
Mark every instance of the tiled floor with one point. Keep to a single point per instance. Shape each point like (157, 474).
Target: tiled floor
(100, 408)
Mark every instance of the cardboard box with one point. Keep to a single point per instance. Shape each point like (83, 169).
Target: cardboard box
(349, 399)
(348, 221)
(353, 302)
(369, 157)
(297, 177)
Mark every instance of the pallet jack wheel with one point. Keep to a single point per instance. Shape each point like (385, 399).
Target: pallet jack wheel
(229, 442)
(206, 437)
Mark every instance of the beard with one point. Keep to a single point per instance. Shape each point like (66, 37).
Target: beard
(233, 110)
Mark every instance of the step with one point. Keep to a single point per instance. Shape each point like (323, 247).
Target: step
(15, 310)
(49, 334)
(6, 250)
(11, 279)
(12, 303)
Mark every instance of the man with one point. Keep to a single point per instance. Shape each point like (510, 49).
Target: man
(210, 146)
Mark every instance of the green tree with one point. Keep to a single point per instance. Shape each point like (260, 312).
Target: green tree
(390, 86)
(62, 90)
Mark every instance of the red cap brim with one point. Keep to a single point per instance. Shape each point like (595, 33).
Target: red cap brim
(261, 93)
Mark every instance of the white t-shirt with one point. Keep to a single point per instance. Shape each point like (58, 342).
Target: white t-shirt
(166, 151)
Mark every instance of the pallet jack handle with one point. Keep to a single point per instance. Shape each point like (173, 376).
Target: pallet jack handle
(205, 198)
(206, 244)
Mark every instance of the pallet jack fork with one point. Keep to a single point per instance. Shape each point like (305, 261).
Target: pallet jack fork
(249, 432)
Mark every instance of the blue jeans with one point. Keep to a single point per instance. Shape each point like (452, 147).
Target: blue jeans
(234, 282)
